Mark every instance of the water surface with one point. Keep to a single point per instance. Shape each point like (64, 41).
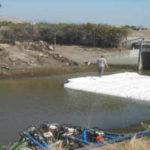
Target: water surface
(30, 101)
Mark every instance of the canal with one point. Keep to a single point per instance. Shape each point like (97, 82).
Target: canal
(31, 101)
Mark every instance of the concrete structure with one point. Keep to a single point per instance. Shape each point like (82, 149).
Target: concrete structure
(134, 42)
(145, 57)
(143, 44)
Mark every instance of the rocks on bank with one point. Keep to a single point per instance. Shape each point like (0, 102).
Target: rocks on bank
(28, 55)
(38, 45)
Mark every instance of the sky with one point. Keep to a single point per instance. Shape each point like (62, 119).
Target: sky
(113, 12)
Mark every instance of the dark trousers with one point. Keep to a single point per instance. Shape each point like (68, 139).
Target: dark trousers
(101, 71)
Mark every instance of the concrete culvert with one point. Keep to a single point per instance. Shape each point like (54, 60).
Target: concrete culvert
(146, 60)
(146, 57)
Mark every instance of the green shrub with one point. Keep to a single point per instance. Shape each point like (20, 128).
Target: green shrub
(71, 34)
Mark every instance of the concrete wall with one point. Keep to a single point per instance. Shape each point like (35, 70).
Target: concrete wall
(146, 57)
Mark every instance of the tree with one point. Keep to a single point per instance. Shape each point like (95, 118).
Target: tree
(71, 34)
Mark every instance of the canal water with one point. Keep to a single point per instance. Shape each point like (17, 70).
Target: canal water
(31, 101)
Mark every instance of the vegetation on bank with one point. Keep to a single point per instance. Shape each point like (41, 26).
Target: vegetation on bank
(70, 34)
(134, 144)
(136, 27)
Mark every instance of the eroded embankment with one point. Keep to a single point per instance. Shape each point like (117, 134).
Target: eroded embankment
(40, 58)
(31, 58)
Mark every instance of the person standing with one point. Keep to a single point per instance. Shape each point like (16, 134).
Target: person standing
(102, 62)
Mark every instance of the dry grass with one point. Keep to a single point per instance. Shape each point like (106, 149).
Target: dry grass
(133, 144)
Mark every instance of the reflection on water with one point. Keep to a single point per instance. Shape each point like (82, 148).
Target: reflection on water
(24, 102)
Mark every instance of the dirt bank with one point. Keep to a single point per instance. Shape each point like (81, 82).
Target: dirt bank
(40, 58)
(140, 33)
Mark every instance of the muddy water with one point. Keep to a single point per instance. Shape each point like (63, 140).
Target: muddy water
(30, 101)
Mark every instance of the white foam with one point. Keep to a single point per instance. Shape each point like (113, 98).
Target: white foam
(128, 85)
